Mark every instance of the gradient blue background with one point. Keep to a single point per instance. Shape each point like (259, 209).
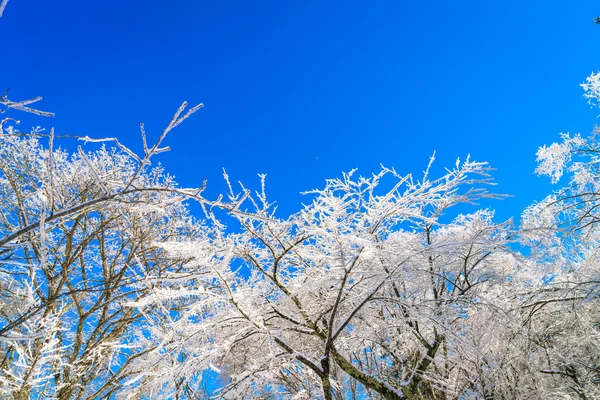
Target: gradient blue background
(304, 90)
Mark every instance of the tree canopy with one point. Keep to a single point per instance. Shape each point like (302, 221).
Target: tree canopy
(385, 286)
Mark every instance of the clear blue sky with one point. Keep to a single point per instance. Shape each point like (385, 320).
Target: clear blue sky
(304, 90)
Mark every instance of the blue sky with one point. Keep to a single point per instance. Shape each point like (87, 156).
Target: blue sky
(302, 91)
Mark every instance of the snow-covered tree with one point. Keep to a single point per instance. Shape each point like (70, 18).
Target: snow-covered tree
(77, 232)
(560, 310)
(369, 289)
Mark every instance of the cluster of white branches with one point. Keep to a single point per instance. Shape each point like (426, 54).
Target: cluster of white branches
(388, 286)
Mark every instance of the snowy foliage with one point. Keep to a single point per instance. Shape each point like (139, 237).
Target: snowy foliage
(362, 285)
(386, 286)
(552, 160)
(591, 86)
(77, 232)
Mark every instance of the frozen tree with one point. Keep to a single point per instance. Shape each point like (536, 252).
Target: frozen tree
(369, 289)
(77, 232)
(563, 324)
